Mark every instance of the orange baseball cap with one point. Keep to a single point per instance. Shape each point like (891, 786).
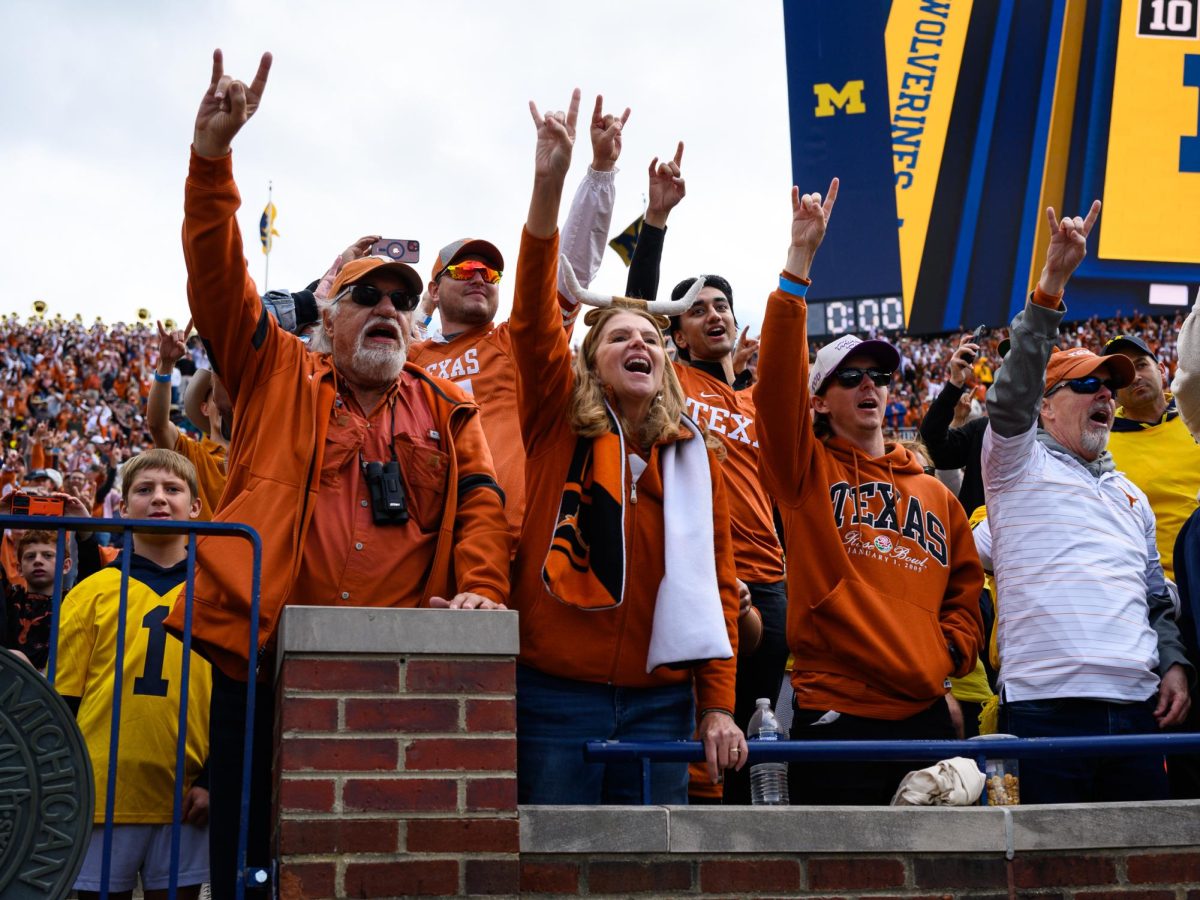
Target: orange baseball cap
(353, 272)
(1079, 362)
(452, 253)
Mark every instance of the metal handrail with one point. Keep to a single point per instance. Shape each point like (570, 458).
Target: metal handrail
(648, 752)
(62, 524)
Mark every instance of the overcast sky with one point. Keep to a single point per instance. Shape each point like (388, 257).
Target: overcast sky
(408, 119)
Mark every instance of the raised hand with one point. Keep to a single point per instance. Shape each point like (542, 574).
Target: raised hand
(810, 217)
(555, 139)
(744, 352)
(1068, 247)
(606, 136)
(227, 105)
(171, 346)
(667, 188)
(360, 248)
(963, 361)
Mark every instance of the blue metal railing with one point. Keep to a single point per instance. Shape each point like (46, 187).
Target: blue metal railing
(648, 752)
(63, 524)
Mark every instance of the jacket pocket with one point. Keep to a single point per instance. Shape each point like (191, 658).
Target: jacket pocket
(886, 641)
(425, 471)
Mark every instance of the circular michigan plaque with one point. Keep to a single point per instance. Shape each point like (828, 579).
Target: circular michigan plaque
(46, 789)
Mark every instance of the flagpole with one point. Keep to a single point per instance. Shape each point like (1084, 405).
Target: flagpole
(267, 255)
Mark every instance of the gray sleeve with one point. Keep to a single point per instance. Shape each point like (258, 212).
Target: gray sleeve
(1170, 644)
(1015, 398)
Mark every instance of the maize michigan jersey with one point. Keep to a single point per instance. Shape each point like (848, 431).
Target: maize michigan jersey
(150, 688)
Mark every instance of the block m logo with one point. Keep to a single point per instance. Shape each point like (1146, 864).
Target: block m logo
(848, 99)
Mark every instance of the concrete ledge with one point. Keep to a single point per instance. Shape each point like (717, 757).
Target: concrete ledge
(595, 829)
(361, 629)
(848, 829)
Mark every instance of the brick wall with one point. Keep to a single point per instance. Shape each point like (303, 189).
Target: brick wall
(397, 772)
(396, 777)
(1077, 875)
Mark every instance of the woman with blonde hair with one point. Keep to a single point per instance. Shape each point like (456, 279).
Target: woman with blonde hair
(620, 639)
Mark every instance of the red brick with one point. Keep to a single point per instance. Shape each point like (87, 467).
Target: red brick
(491, 793)
(491, 715)
(746, 876)
(463, 836)
(309, 714)
(340, 675)
(400, 794)
(638, 878)
(839, 874)
(392, 879)
(549, 878)
(1124, 895)
(311, 794)
(1063, 871)
(492, 876)
(315, 836)
(301, 881)
(339, 755)
(1164, 868)
(960, 872)
(401, 715)
(467, 676)
(472, 754)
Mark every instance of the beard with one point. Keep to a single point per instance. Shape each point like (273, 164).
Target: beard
(378, 365)
(1093, 441)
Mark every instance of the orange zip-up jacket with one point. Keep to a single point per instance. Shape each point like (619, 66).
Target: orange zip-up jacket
(882, 569)
(713, 403)
(282, 397)
(608, 646)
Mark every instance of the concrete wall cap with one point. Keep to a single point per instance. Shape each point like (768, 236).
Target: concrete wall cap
(364, 629)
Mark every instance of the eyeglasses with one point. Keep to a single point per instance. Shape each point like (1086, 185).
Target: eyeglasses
(465, 271)
(369, 295)
(1089, 384)
(852, 378)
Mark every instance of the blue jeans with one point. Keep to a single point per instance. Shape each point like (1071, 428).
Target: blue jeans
(555, 716)
(1086, 779)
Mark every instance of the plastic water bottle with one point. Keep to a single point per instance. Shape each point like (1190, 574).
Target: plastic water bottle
(768, 780)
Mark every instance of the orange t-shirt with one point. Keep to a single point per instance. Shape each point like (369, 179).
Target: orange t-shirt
(715, 405)
(209, 459)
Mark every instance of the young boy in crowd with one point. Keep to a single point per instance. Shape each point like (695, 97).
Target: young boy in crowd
(157, 484)
(26, 613)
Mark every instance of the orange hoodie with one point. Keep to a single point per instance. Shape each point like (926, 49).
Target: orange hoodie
(882, 569)
(282, 397)
(605, 645)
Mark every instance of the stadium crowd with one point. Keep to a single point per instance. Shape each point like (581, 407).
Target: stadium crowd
(686, 519)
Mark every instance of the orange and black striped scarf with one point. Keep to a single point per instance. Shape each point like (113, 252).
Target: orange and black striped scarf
(585, 566)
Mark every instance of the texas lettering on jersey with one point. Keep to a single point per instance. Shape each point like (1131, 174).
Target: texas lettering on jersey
(875, 504)
(719, 420)
(457, 367)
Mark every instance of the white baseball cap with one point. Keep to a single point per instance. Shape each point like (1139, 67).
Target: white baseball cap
(831, 355)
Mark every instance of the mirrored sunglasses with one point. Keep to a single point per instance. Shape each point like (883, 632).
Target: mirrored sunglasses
(465, 271)
(1089, 384)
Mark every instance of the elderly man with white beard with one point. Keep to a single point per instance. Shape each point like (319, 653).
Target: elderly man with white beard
(369, 481)
(1086, 630)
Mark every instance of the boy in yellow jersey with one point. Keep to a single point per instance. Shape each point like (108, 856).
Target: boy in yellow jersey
(157, 484)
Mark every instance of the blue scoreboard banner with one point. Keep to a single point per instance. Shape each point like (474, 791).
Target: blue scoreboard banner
(954, 123)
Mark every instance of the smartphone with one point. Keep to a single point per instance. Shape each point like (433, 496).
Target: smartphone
(976, 335)
(29, 505)
(399, 249)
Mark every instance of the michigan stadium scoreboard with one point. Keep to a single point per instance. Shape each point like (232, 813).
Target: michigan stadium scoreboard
(953, 124)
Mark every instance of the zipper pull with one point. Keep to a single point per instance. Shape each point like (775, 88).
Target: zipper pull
(633, 492)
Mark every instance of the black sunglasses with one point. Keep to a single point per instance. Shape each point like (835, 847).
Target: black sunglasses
(369, 295)
(850, 378)
(1089, 384)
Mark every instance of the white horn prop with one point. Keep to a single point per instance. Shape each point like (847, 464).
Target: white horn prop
(580, 295)
(680, 306)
